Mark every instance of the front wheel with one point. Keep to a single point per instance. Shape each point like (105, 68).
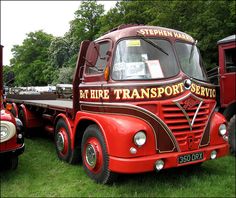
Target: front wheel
(94, 156)
(232, 133)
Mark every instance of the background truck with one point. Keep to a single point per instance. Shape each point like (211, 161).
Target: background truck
(141, 102)
(225, 77)
(12, 141)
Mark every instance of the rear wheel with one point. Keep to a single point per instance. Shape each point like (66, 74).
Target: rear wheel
(94, 156)
(62, 140)
(232, 132)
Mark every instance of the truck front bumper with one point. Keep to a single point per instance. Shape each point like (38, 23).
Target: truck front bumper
(148, 163)
(14, 152)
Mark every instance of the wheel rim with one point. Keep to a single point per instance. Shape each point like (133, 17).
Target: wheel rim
(93, 156)
(62, 141)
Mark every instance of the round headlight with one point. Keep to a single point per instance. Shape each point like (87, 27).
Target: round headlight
(222, 129)
(7, 130)
(4, 132)
(140, 138)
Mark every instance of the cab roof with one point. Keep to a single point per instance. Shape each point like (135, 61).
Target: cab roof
(130, 30)
(227, 39)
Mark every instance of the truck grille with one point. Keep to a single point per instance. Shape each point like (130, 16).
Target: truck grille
(182, 125)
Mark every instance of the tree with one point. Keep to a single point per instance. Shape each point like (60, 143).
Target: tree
(59, 52)
(65, 76)
(85, 25)
(30, 59)
(8, 76)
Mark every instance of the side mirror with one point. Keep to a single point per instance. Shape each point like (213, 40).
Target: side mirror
(92, 54)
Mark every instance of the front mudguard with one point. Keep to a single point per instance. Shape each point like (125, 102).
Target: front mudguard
(118, 132)
(215, 137)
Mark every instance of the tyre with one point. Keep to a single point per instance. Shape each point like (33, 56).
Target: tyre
(94, 156)
(62, 140)
(232, 132)
(14, 162)
(10, 162)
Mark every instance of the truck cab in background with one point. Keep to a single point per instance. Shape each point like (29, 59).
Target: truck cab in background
(225, 77)
(11, 141)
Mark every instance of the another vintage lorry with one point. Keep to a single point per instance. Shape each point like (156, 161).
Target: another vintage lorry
(12, 140)
(224, 76)
(141, 102)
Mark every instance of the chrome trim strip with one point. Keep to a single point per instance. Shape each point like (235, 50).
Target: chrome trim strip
(195, 115)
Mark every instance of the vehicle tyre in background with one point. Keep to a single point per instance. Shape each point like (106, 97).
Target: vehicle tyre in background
(95, 157)
(13, 162)
(9, 162)
(62, 140)
(232, 132)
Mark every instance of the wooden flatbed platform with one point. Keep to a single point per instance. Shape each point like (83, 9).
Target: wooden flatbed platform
(58, 104)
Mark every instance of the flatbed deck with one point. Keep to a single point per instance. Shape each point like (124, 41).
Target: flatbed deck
(58, 104)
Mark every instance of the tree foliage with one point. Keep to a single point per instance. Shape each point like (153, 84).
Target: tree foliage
(43, 59)
(30, 59)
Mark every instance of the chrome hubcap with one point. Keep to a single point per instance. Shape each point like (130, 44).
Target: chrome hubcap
(91, 156)
(60, 142)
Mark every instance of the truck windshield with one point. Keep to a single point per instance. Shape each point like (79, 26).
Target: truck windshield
(191, 61)
(140, 59)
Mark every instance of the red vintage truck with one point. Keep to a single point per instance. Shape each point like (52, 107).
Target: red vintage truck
(225, 77)
(141, 102)
(12, 141)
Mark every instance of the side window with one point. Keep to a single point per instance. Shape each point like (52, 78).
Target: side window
(102, 60)
(230, 60)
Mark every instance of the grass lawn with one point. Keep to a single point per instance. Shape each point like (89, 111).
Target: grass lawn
(41, 174)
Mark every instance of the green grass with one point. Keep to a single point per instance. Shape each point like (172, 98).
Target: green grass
(41, 174)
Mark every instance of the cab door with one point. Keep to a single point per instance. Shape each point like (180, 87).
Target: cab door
(227, 62)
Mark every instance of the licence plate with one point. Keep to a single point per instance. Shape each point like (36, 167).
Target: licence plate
(190, 157)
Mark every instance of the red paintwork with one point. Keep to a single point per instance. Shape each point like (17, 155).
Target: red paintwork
(14, 106)
(167, 128)
(31, 120)
(66, 143)
(9, 147)
(11, 144)
(227, 80)
(146, 163)
(70, 124)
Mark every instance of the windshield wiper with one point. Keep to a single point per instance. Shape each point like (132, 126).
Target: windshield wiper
(153, 44)
(191, 53)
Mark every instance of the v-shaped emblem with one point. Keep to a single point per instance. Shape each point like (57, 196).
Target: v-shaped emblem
(188, 103)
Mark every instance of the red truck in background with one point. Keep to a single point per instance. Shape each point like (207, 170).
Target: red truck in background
(11, 141)
(141, 102)
(225, 77)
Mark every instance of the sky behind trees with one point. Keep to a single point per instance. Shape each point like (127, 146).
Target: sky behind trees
(21, 17)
